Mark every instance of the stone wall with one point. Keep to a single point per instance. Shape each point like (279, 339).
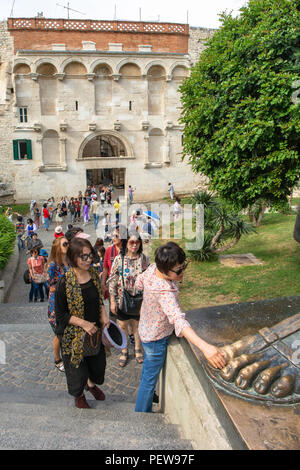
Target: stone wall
(130, 92)
(197, 40)
(6, 115)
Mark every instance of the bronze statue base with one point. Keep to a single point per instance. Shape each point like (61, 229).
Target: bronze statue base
(258, 336)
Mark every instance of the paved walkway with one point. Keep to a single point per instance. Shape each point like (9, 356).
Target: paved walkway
(28, 340)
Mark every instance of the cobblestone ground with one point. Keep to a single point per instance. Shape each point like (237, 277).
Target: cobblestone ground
(28, 347)
(29, 364)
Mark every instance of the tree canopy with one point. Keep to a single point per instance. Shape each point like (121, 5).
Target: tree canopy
(241, 123)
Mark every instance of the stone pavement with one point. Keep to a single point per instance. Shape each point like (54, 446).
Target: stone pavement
(32, 361)
(36, 410)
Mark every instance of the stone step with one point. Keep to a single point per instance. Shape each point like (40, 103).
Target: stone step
(33, 421)
(51, 440)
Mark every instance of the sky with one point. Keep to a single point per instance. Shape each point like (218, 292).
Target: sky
(202, 13)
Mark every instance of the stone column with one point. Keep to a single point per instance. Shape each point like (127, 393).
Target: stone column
(62, 145)
(146, 151)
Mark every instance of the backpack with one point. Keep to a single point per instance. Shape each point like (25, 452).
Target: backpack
(26, 277)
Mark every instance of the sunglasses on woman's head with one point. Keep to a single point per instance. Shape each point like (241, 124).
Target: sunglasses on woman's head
(180, 270)
(86, 256)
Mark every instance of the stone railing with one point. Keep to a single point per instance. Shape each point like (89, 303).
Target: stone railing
(52, 24)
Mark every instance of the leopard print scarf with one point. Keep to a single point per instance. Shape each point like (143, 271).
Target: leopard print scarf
(72, 341)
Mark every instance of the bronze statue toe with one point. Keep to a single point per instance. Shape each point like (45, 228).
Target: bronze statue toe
(283, 386)
(229, 372)
(267, 377)
(247, 375)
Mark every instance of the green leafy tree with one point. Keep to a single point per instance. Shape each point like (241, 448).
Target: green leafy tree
(241, 121)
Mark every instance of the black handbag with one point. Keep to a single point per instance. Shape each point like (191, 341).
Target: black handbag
(26, 276)
(91, 344)
(131, 304)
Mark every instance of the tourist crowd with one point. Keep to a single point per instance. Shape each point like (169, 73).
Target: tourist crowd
(78, 279)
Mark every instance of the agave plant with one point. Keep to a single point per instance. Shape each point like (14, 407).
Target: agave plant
(223, 228)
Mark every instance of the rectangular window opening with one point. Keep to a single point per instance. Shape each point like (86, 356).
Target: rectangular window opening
(76, 105)
(23, 116)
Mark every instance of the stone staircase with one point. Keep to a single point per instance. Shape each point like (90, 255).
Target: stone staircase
(37, 412)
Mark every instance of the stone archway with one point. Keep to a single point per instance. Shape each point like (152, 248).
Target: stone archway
(105, 144)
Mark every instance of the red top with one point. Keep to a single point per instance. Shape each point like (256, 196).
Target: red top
(58, 235)
(46, 213)
(109, 257)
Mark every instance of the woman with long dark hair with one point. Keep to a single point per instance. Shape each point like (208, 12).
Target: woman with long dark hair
(126, 267)
(80, 314)
(57, 267)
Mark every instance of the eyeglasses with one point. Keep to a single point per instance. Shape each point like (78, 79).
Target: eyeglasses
(86, 256)
(134, 242)
(180, 270)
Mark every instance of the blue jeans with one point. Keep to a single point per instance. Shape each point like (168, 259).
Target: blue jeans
(96, 220)
(155, 356)
(35, 289)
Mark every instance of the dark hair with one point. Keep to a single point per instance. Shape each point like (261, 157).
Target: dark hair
(167, 256)
(45, 205)
(101, 250)
(71, 232)
(76, 246)
(135, 234)
(29, 221)
(35, 248)
(20, 218)
(99, 242)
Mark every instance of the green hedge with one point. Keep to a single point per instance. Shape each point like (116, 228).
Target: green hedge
(7, 240)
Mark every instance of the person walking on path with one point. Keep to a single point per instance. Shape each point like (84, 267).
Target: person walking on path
(37, 215)
(34, 242)
(79, 312)
(95, 212)
(20, 231)
(46, 216)
(110, 254)
(36, 265)
(59, 219)
(160, 316)
(85, 211)
(126, 267)
(130, 194)
(57, 266)
(71, 209)
(30, 227)
(77, 210)
(171, 190)
(117, 208)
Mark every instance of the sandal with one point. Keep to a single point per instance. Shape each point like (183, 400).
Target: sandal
(60, 365)
(123, 362)
(139, 356)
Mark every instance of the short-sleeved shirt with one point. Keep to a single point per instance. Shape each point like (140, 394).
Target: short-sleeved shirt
(36, 264)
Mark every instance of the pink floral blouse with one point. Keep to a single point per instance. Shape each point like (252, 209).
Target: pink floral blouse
(160, 313)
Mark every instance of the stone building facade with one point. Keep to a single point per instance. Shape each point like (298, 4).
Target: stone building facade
(93, 101)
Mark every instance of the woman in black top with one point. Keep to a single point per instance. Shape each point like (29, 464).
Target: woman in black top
(79, 309)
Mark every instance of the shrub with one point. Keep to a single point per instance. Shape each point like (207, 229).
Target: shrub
(7, 240)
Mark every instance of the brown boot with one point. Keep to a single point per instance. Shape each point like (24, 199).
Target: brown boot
(80, 402)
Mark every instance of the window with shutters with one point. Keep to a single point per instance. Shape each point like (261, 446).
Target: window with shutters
(22, 149)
